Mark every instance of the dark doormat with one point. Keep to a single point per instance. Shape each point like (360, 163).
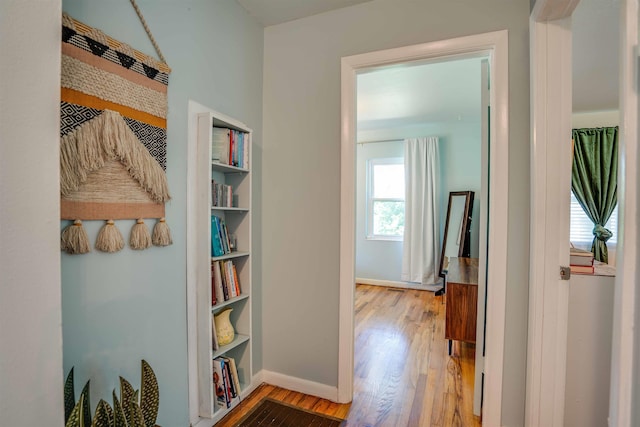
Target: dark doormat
(273, 413)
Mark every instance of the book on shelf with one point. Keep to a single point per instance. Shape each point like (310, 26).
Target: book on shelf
(220, 243)
(226, 283)
(230, 147)
(225, 389)
(236, 281)
(221, 195)
(231, 386)
(216, 242)
(234, 374)
(217, 282)
(580, 257)
(214, 335)
(224, 236)
(214, 299)
(230, 280)
(582, 269)
(220, 145)
(219, 387)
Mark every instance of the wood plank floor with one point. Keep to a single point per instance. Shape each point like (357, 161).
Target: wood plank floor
(403, 374)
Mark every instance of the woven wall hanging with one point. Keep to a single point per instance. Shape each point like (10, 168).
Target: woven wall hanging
(113, 139)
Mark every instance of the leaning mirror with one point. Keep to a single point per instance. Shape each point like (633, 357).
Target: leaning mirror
(457, 228)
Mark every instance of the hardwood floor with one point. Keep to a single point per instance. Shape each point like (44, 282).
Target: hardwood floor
(403, 374)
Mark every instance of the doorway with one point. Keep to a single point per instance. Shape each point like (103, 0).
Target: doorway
(494, 46)
(443, 102)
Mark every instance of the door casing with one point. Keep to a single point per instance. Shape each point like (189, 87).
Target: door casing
(495, 45)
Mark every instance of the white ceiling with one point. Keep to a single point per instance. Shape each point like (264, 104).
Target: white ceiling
(407, 95)
(449, 91)
(273, 12)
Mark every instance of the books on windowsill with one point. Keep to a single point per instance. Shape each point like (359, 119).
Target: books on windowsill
(582, 269)
(580, 257)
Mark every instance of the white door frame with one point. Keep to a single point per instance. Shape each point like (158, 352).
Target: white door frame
(551, 98)
(495, 44)
(624, 374)
(550, 34)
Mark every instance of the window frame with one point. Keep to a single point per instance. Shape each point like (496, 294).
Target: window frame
(371, 163)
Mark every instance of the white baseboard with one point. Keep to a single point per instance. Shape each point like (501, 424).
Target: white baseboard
(391, 284)
(298, 384)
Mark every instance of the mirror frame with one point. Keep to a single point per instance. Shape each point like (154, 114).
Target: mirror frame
(466, 226)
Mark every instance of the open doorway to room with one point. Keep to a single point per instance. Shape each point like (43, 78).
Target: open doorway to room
(454, 127)
(419, 138)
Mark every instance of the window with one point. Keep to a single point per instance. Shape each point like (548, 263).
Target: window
(582, 227)
(385, 199)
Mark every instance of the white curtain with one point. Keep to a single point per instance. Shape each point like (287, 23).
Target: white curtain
(420, 260)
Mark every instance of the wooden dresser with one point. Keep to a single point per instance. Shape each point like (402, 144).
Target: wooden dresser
(462, 299)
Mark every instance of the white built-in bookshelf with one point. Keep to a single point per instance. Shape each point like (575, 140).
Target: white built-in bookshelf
(236, 219)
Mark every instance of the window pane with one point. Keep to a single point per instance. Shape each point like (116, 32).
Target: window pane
(388, 181)
(582, 227)
(388, 218)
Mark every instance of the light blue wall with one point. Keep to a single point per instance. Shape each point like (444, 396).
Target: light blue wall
(120, 308)
(375, 259)
(460, 170)
(301, 179)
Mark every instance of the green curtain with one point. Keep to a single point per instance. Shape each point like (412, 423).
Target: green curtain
(594, 180)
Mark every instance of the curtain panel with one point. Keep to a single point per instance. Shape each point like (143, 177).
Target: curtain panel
(594, 180)
(421, 242)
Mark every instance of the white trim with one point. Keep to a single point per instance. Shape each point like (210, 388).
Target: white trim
(482, 246)
(391, 284)
(624, 393)
(300, 385)
(193, 110)
(551, 73)
(496, 45)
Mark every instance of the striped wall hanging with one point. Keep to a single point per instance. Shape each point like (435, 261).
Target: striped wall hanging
(113, 144)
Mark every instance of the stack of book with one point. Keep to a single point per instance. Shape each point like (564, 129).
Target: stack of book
(226, 382)
(230, 147)
(580, 261)
(225, 283)
(221, 195)
(221, 244)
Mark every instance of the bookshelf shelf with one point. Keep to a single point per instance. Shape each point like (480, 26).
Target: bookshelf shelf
(239, 339)
(217, 307)
(232, 255)
(216, 228)
(227, 168)
(229, 209)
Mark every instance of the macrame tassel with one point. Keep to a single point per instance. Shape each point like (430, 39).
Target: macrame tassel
(109, 238)
(161, 233)
(74, 239)
(140, 238)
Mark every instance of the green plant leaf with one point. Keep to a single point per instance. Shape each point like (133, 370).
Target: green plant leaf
(109, 413)
(119, 419)
(103, 416)
(86, 406)
(149, 395)
(127, 395)
(75, 416)
(137, 419)
(69, 396)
